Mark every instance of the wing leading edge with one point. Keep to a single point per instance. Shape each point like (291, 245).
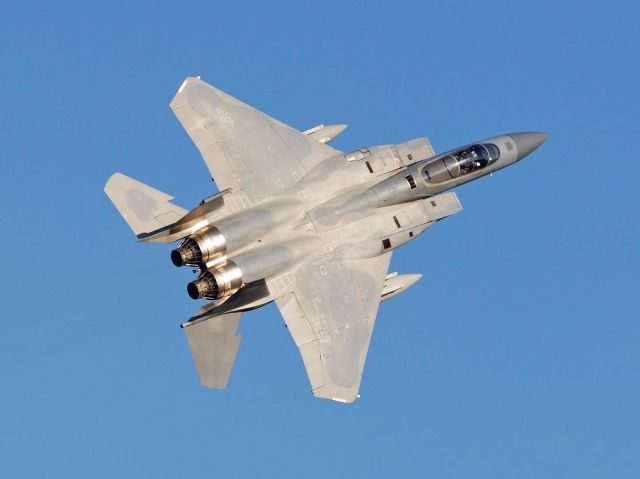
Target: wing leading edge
(243, 148)
(331, 314)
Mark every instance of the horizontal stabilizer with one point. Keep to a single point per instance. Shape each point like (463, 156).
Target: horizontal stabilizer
(144, 208)
(214, 346)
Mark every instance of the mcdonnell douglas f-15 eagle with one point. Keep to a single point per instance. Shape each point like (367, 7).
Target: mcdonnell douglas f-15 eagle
(302, 224)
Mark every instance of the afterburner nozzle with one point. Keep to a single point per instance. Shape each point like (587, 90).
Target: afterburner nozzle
(193, 291)
(188, 253)
(216, 283)
(199, 248)
(205, 286)
(176, 258)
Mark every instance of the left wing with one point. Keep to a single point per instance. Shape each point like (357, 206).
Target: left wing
(331, 314)
(244, 148)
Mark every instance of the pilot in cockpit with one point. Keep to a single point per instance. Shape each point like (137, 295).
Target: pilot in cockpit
(469, 161)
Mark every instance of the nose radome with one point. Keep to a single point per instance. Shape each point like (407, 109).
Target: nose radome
(526, 142)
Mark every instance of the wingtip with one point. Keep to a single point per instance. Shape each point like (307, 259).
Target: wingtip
(177, 101)
(190, 78)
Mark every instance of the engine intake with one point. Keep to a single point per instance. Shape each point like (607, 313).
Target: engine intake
(216, 283)
(200, 248)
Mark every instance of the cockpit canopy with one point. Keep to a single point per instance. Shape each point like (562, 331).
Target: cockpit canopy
(460, 162)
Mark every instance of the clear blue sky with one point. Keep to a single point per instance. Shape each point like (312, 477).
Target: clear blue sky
(516, 356)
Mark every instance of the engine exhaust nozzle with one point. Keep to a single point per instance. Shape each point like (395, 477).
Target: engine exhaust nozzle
(205, 287)
(216, 283)
(200, 248)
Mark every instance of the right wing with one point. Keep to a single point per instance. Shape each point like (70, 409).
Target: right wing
(331, 314)
(244, 149)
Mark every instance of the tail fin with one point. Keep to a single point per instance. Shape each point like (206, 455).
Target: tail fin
(145, 209)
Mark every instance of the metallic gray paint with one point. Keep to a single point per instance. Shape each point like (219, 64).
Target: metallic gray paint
(526, 142)
(298, 223)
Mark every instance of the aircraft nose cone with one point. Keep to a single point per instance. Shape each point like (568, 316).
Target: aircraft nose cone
(527, 142)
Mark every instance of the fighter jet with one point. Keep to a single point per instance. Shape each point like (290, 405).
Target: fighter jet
(301, 223)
